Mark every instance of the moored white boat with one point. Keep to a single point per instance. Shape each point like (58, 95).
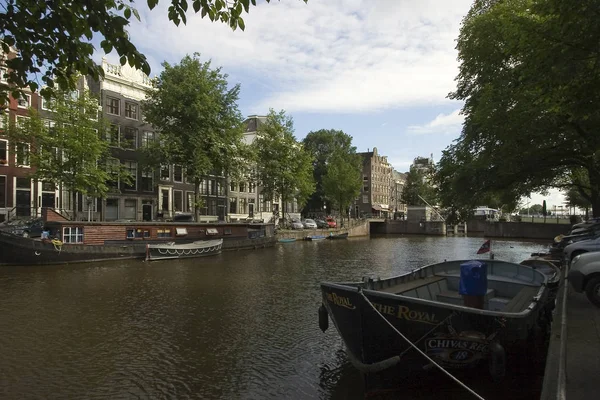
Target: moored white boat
(171, 250)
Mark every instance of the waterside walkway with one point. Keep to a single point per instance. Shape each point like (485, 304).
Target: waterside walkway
(573, 365)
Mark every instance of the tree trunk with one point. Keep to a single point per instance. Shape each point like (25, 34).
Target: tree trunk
(74, 204)
(595, 192)
(196, 199)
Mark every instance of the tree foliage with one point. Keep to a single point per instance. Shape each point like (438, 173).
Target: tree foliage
(54, 38)
(323, 144)
(197, 119)
(342, 182)
(284, 168)
(529, 79)
(69, 150)
(417, 188)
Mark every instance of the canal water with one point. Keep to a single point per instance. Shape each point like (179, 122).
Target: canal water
(240, 325)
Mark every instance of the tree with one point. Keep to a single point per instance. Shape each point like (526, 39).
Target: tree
(342, 182)
(284, 168)
(54, 38)
(529, 82)
(70, 151)
(322, 144)
(198, 121)
(418, 188)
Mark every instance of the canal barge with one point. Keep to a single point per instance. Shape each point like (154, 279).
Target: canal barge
(382, 321)
(66, 241)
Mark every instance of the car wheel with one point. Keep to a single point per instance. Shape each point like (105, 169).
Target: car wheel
(25, 234)
(592, 290)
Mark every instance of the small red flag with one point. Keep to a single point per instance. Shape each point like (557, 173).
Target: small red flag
(485, 247)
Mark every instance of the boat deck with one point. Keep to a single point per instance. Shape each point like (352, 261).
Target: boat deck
(503, 294)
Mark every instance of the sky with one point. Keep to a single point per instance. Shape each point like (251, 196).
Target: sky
(379, 70)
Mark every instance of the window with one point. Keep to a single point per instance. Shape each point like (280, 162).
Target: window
(129, 138)
(147, 139)
(220, 189)
(242, 208)
(190, 202)
(147, 181)
(202, 189)
(163, 233)
(73, 234)
(232, 186)
(112, 167)
(51, 127)
(242, 187)
(2, 191)
(112, 106)
(22, 154)
(212, 187)
(131, 110)
(46, 104)
(232, 205)
(21, 121)
(165, 173)
(365, 199)
(3, 73)
(131, 168)
(3, 152)
(24, 101)
(252, 188)
(177, 173)
(3, 121)
(177, 200)
(112, 136)
(130, 209)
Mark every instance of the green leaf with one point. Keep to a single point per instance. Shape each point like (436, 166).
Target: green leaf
(152, 4)
(241, 23)
(136, 13)
(127, 13)
(203, 13)
(123, 60)
(246, 4)
(196, 6)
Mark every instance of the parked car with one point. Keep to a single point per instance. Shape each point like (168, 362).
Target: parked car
(322, 224)
(584, 276)
(24, 227)
(296, 224)
(584, 246)
(309, 223)
(331, 223)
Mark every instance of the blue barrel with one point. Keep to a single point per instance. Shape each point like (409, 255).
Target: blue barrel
(473, 279)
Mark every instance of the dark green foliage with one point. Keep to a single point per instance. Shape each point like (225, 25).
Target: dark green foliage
(531, 87)
(322, 144)
(284, 168)
(72, 152)
(197, 119)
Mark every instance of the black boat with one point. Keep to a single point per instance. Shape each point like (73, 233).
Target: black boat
(338, 236)
(505, 321)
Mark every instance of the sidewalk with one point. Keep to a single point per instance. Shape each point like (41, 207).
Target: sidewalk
(573, 362)
(583, 348)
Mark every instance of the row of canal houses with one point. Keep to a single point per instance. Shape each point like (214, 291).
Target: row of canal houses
(159, 195)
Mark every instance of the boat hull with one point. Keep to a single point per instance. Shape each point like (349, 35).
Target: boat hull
(25, 251)
(191, 250)
(370, 323)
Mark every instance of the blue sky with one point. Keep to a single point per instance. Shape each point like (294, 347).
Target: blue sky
(380, 70)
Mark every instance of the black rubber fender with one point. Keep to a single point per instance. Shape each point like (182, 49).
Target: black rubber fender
(323, 318)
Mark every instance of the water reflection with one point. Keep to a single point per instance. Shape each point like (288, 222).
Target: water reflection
(241, 325)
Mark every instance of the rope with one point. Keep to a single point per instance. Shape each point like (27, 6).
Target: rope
(419, 350)
(57, 244)
(428, 333)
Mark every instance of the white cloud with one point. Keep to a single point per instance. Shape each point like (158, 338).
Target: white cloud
(327, 55)
(443, 123)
